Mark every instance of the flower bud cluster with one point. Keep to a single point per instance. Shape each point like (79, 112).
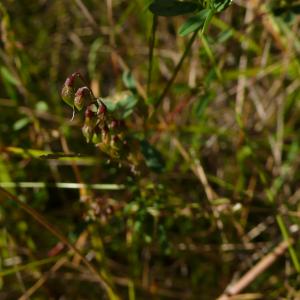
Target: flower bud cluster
(100, 127)
(80, 98)
(106, 132)
(99, 208)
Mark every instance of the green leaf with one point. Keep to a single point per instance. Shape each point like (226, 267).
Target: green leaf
(129, 80)
(4, 173)
(8, 76)
(193, 23)
(171, 8)
(153, 157)
(221, 5)
(127, 105)
(21, 123)
(202, 104)
(109, 103)
(121, 104)
(93, 56)
(225, 35)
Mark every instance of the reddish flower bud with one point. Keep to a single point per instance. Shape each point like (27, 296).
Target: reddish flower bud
(102, 109)
(81, 97)
(88, 113)
(114, 124)
(105, 129)
(70, 80)
(105, 135)
(87, 132)
(67, 94)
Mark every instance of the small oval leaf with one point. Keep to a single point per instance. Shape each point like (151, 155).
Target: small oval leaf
(193, 23)
(153, 158)
(221, 5)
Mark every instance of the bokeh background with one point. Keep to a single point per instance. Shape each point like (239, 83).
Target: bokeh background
(228, 191)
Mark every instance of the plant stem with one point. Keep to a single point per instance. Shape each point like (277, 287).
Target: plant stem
(286, 237)
(151, 51)
(184, 55)
(207, 21)
(63, 185)
(177, 68)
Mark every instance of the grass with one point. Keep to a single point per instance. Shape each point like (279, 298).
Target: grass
(202, 203)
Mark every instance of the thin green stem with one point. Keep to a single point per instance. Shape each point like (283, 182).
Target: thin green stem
(286, 237)
(208, 20)
(184, 55)
(177, 68)
(151, 51)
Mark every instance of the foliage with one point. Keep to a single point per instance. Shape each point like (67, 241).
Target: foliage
(178, 172)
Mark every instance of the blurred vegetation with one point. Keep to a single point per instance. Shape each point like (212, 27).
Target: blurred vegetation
(209, 185)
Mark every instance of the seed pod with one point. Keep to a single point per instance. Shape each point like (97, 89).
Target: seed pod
(102, 109)
(89, 114)
(70, 80)
(105, 135)
(87, 131)
(102, 116)
(68, 94)
(81, 97)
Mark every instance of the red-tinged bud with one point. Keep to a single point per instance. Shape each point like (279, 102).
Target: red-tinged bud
(81, 91)
(102, 109)
(70, 80)
(114, 124)
(88, 113)
(81, 97)
(68, 94)
(105, 135)
(87, 132)
(105, 129)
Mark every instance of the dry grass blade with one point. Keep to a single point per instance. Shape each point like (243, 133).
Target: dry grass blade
(41, 220)
(258, 269)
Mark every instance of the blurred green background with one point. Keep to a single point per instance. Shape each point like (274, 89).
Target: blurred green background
(227, 131)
